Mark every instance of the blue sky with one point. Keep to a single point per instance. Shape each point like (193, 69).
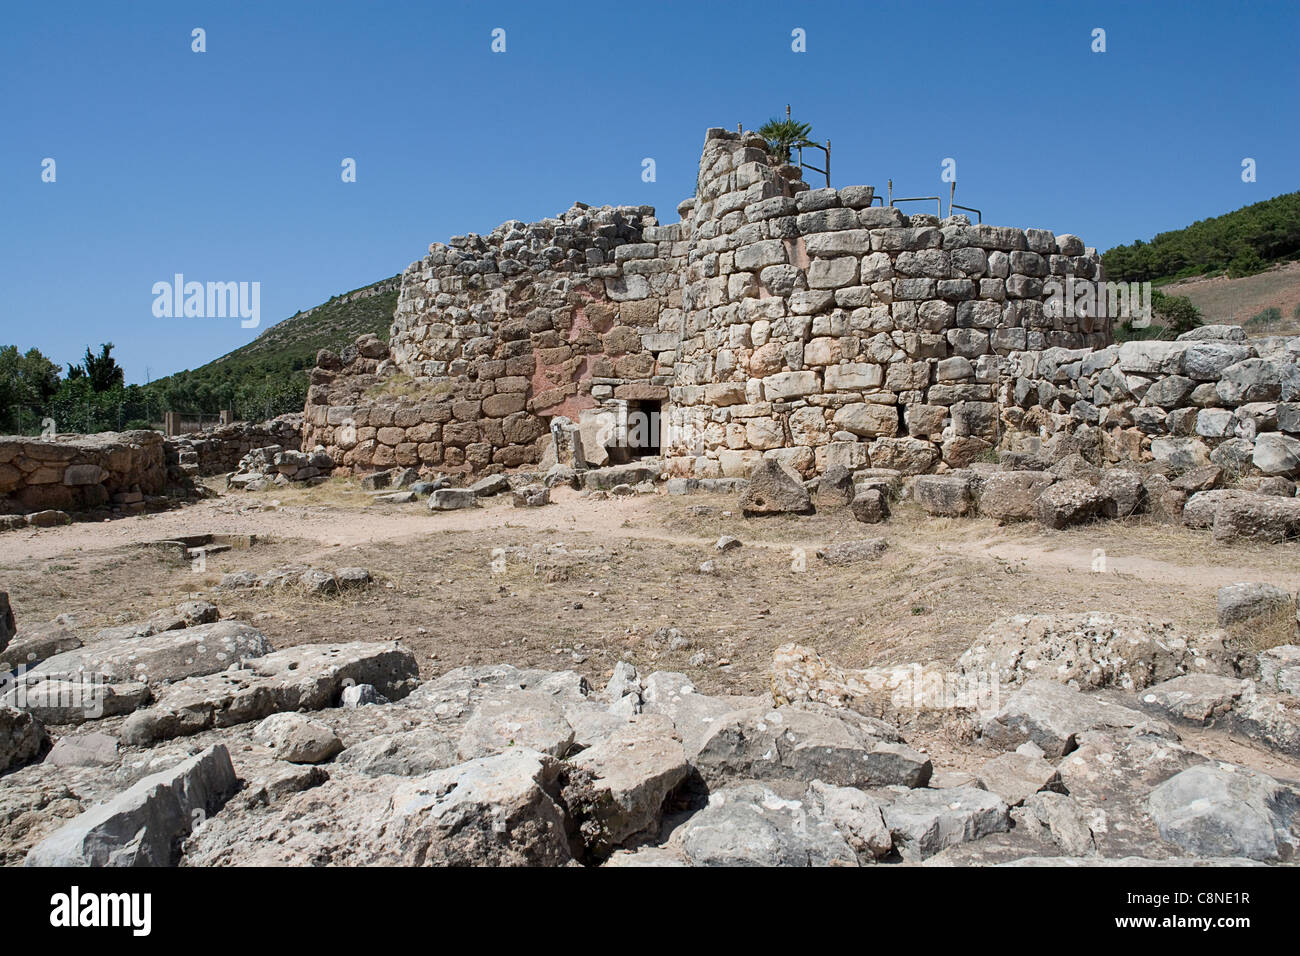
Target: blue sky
(225, 165)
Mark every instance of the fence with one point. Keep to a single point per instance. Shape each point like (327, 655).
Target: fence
(79, 418)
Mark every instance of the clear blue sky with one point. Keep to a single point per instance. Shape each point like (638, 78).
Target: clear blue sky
(225, 165)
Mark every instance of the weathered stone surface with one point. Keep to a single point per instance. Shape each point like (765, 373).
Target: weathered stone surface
(1203, 506)
(145, 825)
(1052, 716)
(835, 487)
(34, 644)
(924, 822)
(297, 739)
(774, 488)
(84, 750)
(531, 496)
(1015, 777)
(853, 552)
(164, 657)
(74, 701)
(856, 815)
(1069, 502)
(490, 485)
(1262, 517)
(511, 717)
(1277, 454)
(22, 738)
(1227, 810)
(909, 456)
(405, 753)
(870, 506)
(1086, 650)
(499, 810)
(1123, 493)
(809, 742)
(1195, 698)
(1246, 601)
(947, 495)
(1109, 775)
(1007, 496)
(750, 825)
(695, 716)
(628, 776)
(307, 677)
(452, 499)
(1279, 669)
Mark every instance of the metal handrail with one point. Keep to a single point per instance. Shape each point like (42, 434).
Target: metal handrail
(825, 149)
(938, 202)
(952, 194)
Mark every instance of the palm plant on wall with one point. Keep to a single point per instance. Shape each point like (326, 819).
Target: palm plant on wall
(784, 135)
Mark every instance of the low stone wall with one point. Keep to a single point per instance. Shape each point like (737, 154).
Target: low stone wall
(218, 450)
(1212, 397)
(112, 471)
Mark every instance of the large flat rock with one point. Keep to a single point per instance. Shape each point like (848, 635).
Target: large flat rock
(809, 742)
(1053, 715)
(161, 657)
(145, 825)
(307, 677)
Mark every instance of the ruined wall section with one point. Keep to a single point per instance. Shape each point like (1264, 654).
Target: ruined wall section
(108, 473)
(823, 329)
(496, 335)
(1212, 397)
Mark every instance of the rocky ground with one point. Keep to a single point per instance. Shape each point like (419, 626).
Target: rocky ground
(628, 679)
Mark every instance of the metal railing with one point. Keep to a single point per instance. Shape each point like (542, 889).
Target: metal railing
(979, 216)
(937, 200)
(826, 150)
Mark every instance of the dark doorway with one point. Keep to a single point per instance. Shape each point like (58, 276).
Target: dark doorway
(643, 423)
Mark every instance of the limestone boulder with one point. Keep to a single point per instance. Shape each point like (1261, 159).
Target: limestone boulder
(146, 824)
(774, 488)
(750, 825)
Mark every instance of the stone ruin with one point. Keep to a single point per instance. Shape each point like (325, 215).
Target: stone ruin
(816, 326)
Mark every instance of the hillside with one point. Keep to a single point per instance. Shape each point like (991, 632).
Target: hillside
(268, 376)
(1224, 300)
(1240, 243)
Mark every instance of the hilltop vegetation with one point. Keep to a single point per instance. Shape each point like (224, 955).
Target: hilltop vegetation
(265, 378)
(268, 376)
(1239, 243)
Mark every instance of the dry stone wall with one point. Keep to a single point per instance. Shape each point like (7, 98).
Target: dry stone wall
(814, 326)
(218, 450)
(774, 319)
(824, 329)
(1212, 397)
(497, 335)
(108, 472)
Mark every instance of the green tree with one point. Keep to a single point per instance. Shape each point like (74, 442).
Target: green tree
(27, 382)
(784, 135)
(1175, 312)
(101, 370)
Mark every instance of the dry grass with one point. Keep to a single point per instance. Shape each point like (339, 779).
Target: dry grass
(402, 385)
(586, 593)
(1234, 301)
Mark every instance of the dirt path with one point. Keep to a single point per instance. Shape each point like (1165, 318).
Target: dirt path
(640, 517)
